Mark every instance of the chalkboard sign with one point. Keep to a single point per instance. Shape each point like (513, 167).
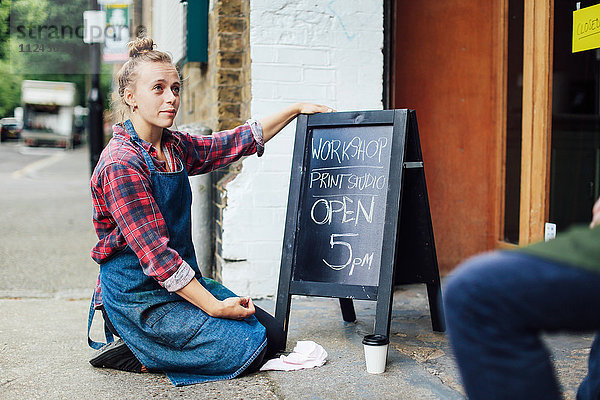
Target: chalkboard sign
(343, 215)
(343, 205)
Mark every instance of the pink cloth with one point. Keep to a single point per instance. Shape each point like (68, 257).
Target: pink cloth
(306, 354)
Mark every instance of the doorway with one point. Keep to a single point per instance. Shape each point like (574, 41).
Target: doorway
(575, 149)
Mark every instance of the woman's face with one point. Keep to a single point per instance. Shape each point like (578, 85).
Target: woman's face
(156, 94)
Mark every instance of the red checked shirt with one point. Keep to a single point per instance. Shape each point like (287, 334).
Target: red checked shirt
(125, 212)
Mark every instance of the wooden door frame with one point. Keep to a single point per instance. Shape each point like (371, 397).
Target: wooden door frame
(537, 114)
(499, 161)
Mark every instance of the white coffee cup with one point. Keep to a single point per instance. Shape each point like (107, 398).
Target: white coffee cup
(376, 347)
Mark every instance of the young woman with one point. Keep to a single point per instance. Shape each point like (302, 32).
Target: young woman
(168, 317)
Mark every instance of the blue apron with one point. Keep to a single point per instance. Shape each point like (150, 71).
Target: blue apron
(164, 331)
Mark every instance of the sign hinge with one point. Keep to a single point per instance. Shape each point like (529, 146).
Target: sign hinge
(413, 164)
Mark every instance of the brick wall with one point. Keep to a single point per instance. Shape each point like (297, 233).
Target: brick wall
(217, 94)
(321, 51)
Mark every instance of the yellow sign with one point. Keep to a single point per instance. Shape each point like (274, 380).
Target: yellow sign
(586, 28)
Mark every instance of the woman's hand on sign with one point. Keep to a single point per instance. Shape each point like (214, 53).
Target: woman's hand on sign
(274, 123)
(236, 308)
(309, 108)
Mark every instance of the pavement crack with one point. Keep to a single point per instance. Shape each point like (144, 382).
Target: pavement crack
(274, 387)
(6, 382)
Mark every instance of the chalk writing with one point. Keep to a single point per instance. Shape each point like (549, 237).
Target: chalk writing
(323, 210)
(342, 150)
(327, 180)
(343, 204)
(347, 179)
(333, 242)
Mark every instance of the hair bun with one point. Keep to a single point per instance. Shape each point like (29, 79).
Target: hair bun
(140, 46)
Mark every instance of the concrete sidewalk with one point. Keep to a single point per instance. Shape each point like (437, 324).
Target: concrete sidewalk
(44, 355)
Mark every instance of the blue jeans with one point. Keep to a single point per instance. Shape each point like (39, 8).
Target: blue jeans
(498, 304)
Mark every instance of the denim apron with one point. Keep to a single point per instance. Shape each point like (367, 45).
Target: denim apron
(164, 331)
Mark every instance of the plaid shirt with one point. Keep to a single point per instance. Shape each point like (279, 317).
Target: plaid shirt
(125, 212)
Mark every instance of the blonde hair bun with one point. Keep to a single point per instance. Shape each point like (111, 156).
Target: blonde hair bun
(139, 46)
(141, 50)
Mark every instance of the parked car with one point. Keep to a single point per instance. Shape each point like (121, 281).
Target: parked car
(9, 129)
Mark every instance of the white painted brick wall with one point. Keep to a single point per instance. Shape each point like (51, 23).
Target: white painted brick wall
(168, 27)
(322, 51)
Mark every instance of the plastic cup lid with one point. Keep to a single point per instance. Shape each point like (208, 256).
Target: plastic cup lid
(375, 340)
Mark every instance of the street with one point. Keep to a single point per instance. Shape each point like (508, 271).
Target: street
(46, 222)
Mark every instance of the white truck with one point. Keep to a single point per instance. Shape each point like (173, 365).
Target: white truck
(48, 113)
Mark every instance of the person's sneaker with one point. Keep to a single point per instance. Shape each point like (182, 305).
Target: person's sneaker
(116, 355)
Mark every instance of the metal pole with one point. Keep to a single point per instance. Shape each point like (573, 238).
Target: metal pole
(95, 103)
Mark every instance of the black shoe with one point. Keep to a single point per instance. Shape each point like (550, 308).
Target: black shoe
(116, 355)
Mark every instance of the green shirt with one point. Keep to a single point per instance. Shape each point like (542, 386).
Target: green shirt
(578, 246)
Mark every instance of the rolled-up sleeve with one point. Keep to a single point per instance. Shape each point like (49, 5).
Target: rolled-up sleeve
(257, 134)
(206, 153)
(180, 278)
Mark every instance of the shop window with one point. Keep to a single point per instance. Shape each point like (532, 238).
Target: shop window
(575, 149)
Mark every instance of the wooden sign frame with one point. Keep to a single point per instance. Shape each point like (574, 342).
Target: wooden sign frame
(405, 156)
